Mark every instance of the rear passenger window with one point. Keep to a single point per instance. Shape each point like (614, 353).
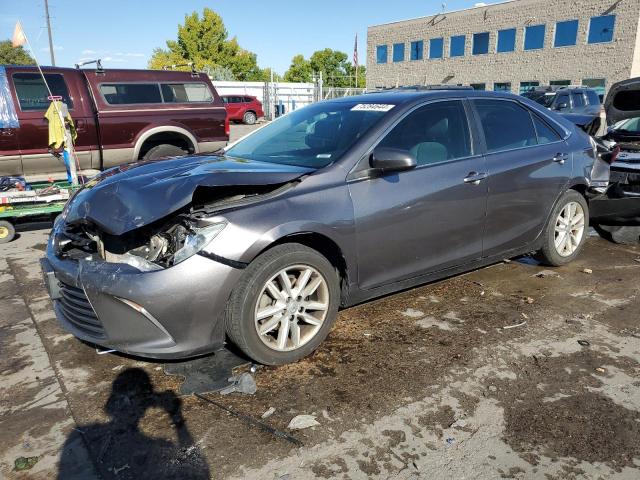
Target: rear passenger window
(578, 99)
(593, 97)
(433, 133)
(130, 93)
(186, 93)
(506, 125)
(545, 133)
(248, 99)
(32, 92)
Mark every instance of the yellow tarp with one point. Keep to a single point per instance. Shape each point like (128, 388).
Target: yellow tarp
(56, 127)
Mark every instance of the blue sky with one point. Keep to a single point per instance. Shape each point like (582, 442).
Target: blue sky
(125, 32)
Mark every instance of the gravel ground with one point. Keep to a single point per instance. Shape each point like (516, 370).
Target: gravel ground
(426, 384)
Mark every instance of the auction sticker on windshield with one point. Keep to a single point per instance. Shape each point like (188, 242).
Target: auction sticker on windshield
(372, 107)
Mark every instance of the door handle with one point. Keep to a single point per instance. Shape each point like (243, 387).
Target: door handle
(474, 178)
(561, 158)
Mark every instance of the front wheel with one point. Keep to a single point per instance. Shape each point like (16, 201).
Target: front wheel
(164, 150)
(284, 305)
(566, 232)
(250, 118)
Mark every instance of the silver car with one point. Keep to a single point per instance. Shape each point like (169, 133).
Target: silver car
(329, 206)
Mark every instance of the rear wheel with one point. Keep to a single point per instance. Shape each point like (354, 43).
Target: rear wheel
(163, 151)
(566, 231)
(622, 234)
(7, 231)
(284, 305)
(249, 118)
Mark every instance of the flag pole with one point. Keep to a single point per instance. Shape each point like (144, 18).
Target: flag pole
(68, 140)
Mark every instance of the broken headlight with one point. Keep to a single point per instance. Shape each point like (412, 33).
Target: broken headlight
(196, 240)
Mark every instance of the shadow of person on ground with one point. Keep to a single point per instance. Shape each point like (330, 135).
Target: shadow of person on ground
(120, 450)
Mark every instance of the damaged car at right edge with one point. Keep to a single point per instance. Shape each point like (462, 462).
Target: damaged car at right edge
(614, 199)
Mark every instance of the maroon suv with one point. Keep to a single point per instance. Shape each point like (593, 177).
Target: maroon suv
(120, 116)
(243, 108)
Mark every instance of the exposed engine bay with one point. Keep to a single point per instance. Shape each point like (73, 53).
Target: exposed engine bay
(165, 242)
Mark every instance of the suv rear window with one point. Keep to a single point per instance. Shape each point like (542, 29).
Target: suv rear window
(141, 93)
(130, 93)
(32, 92)
(186, 93)
(593, 97)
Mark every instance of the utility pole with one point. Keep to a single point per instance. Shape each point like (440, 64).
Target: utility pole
(46, 13)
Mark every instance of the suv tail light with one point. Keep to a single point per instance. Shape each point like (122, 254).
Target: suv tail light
(227, 126)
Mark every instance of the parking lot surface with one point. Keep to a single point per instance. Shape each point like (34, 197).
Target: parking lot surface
(428, 383)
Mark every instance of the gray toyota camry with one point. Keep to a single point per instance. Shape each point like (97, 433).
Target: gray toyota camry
(328, 206)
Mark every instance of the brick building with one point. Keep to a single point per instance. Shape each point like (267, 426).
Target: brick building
(512, 46)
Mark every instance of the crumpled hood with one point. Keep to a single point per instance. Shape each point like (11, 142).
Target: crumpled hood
(623, 101)
(130, 196)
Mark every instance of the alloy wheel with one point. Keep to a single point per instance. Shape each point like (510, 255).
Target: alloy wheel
(291, 308)
(4, 232)
(570, 229)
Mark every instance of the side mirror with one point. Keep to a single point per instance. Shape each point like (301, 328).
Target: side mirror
(562, 106)
(388, 159)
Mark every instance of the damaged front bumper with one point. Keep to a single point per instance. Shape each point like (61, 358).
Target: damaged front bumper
(169, 313)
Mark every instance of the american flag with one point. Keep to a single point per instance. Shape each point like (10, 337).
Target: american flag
(355, 53)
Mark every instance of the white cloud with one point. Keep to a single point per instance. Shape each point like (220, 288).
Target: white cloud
(88, 52)
(114, 60)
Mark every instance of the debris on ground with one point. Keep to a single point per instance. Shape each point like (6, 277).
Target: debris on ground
(412, 313)
(117, 470)
(525, 316)
(301, 422)
(325, 414)
(588, 271)
(584, 343)
(507, 327)
(269, 412)
(460, 423)
(529, 300)
(600, 370)
(243, 383)
(450, 441)
(24, 463)
(546, 273)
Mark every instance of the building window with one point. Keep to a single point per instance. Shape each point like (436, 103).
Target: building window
(398, 52)
(478, 86)
(506, 40)
(560, 83)
(457, 46)
(417, 50)
(381, 54)
(566, 33)
(436, 48)
(598, 84)
(601, 29)
(534, 37)
(526, 86)
(502, 87)
(480, 43)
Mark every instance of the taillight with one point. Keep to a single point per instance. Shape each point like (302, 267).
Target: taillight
(227, 126)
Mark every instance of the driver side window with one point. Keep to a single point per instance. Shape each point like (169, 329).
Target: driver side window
(434, 133)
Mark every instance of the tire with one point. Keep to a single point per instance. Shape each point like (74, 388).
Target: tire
(566, 252)
(252, 296)
(163, 151)
(621, 234)
(7, 231)
(249, 118)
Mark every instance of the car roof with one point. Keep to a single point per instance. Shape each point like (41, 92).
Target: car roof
(400, 97)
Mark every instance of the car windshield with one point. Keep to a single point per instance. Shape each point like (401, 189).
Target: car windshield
(631, 125)
(314, 136)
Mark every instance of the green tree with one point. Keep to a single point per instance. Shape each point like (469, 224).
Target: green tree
(10, 55)
(204, 41)
(299, 71)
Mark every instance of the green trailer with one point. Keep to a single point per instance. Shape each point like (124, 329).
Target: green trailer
(46, 199)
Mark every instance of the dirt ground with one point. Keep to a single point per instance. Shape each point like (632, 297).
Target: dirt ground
(513, 371)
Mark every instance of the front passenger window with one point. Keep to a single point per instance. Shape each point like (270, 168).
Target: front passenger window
(433, 133)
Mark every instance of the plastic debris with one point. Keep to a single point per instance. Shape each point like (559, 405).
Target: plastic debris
(584, 343)
(529, 300)
(450, 441)
(243, 383)
(24, 463)
(269, 412)
(460, 423)
(301, 422)
(588, 271)
(507, 327)
(600, 370)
